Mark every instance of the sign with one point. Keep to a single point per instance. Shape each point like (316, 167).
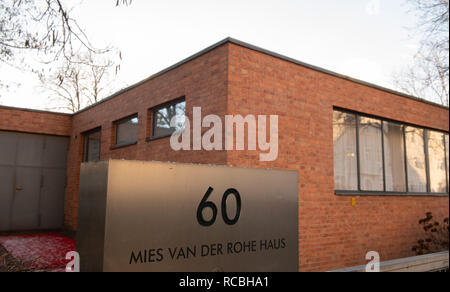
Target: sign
(152, 216)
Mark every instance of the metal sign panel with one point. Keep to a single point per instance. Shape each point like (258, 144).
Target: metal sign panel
(184, 217)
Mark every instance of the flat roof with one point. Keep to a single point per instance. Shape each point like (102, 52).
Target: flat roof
(316, 68)
(264, 51)
(270, 53)
(34, 110)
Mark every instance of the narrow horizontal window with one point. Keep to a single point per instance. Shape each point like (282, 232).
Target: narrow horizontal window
(168, 118)
(126, 130)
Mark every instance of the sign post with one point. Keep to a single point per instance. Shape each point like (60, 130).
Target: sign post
(153, 216)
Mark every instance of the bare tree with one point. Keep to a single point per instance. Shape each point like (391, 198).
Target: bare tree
(425, 78)
(44, 26)
(78, 83)
(433, 22)
(428, 75)
(42, 30)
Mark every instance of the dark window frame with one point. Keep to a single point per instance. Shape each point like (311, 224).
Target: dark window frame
(154, 110)
(393, 193)
(116, 127)
(84, 135)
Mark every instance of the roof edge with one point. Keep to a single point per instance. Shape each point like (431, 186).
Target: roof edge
(329, 72)
(34, 110)
(267, 52)
(178, 64)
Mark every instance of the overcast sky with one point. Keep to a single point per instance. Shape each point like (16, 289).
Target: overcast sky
(365, 39)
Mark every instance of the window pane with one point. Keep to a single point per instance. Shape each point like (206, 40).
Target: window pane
(436, 158)
(344, 141)
(92, 146)
(394, 158)
(446, 157)
(417, 179)
(126, 131)
(163, 116)
(370, 151)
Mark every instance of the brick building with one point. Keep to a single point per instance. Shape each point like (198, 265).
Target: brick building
(371, 161)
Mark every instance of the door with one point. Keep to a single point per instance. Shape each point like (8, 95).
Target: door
(25, 204)
(32, 181)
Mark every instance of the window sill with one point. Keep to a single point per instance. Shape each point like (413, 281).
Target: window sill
(157, 137)
(122, 145)
(381, 193)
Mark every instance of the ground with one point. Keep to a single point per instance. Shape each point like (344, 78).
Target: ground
(34, 251)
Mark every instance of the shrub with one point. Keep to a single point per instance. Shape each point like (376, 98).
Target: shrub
(436, 235)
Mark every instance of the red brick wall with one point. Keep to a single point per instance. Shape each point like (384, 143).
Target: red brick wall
(235, 80)
(30, 121)
(203, 82)
(332, 233)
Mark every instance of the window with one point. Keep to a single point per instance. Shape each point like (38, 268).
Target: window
(446, 160)
(163, 115)
(126, 130)
(370, 154)
(436, 154)
(394, 157)
(344, 139)
(373, 156)
(91, 145)
(415, 158)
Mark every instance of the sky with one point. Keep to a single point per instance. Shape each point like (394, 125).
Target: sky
(364, 39)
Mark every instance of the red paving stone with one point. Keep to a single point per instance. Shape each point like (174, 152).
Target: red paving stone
(47, 251)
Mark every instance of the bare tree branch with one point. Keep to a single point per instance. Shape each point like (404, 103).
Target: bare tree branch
(42, 30)
(76, 85)
(428, 76)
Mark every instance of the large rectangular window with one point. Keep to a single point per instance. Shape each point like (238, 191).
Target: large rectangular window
(394, 157)
(91, 145)
(126, 131)
(163, 115)
(370, 154)
(344, 140)
(373, 155)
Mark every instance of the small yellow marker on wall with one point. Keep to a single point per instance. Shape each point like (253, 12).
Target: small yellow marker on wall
(353, 202)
